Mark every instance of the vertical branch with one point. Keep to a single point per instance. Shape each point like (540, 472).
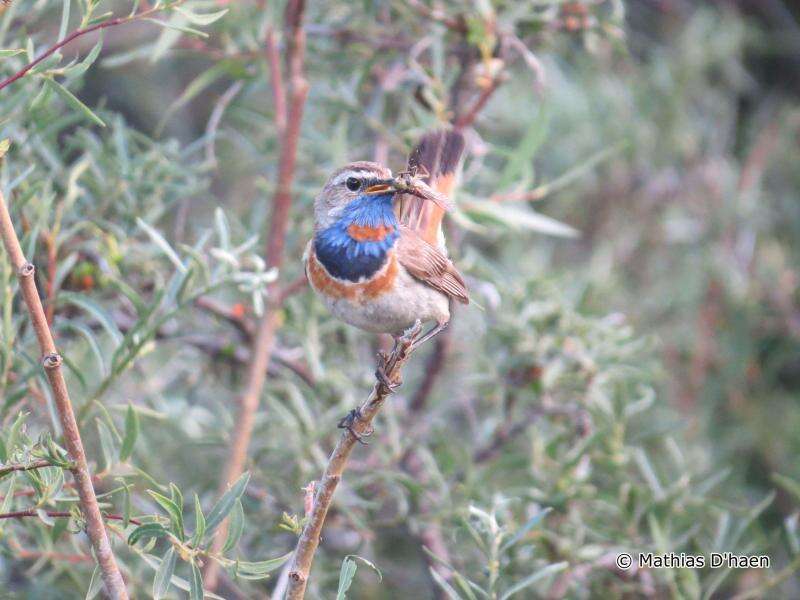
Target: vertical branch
(288, 123)
(361, 425)
(51, 361)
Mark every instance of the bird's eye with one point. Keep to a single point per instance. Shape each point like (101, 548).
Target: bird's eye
(353, 184)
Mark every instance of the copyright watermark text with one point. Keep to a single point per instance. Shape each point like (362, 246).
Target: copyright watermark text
(674, 560)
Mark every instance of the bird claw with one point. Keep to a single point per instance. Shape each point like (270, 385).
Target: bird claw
(349, 420)
(383, 378)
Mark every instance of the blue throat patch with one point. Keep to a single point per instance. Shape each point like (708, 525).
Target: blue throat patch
(347, 258)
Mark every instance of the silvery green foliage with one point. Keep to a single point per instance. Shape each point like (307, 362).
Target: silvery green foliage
(549, 443)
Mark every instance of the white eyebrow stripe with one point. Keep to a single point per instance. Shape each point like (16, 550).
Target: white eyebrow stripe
(357, 173)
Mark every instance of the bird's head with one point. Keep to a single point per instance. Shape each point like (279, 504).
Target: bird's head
(356, 182)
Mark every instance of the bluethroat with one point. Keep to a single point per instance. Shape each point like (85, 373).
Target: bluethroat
(378, 258)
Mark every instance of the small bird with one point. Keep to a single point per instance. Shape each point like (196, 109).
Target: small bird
(378, 258)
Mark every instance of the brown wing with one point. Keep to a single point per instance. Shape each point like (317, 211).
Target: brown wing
(428, 264)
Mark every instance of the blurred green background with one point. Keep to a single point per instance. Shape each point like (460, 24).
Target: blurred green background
(628, 222)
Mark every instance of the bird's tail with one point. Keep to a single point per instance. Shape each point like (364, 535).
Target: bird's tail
(436, 159)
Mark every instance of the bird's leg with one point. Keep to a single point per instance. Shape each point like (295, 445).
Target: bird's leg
(348, 421)
(432, 333)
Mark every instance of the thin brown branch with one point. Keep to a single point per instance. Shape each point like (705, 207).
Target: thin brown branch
(434, 368)
(51, 361)
(278, 93)
(276, 238)
(75, 35)
(468, 118)
(39, 464)
(293, 287)
(50, 285)
(392, 366)
(21, 514)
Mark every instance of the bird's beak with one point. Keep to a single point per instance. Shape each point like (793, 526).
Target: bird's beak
(382, 186)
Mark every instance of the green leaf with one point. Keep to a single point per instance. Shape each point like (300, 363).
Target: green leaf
(73, 101)
(199, 522)
(131, 433)
(532, 522)
(98, 312)
(145, 531)
(179, 582)
(533, 578)
(196, 584)
(348, 572)
(107, 444)
(225, 504)
(259, 569)
(62, 30)
(163, 577)
(446, 587)
(163, 244)
(789, 484)
(520, 218)
(88, 61)
(201, 19)
(5, 146)
(197, 85)
(235, 527)
(346, 575)
(174, 511)
(95, 583)
(6, 52)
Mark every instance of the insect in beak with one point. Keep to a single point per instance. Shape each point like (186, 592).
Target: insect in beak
(381, 187)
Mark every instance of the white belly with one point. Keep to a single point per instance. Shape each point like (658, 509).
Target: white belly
(393, 311)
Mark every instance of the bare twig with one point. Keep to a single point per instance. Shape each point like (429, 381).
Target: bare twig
(39, 464)
(278, 93)
(75, 35)
(21, 514)
(434, 368)
(291, 113)
(51, 361)
(468, 118)
(360, 426)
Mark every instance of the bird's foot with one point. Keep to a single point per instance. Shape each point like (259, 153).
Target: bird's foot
(383, 378)
(349, 421)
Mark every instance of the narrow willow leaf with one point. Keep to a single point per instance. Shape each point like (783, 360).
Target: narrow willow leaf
(235, 527)
(163, 244)
(520, 218)
(201, 19)
(197, 85)
(199, 522)
(73, 101)
(62, 30)
(260, 568)
(163, 577)
(196, 584)
(98, 312)
(533, 578)
(131, 433)
(448, 589)
(107, 444)
(174, 511)
(83, 66)
(346, 575)
(145, 531)
(95, 583)
(179, 582)
(532, 522)
(44, 517)
(225, 504)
